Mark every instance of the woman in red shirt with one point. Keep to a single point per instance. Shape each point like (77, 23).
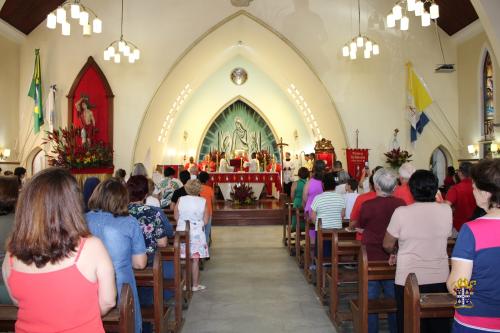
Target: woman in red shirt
(60, 276)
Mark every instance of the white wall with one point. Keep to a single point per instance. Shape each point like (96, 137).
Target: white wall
(369, 95)
(9, 95)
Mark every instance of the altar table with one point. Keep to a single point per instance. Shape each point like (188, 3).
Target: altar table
(227, 180)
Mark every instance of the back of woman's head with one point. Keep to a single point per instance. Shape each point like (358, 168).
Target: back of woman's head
(137, 187)
(110, 196)
(139, 170)
(49, 219)
(303, 173)
(9, 191)
(88, 188)
(329, 182)
(319, 169)
(486, 177)
(423, 186)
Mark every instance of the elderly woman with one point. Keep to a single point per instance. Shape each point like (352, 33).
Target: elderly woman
(121, 234)
(476, 256)
(374, 217)
(139, 170)
(193, 209)
(421, 231)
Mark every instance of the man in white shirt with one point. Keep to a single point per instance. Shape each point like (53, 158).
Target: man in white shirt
(253, 164)
(223, 164)
(288, 171)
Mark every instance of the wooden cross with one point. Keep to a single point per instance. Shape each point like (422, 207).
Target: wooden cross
(280, 145)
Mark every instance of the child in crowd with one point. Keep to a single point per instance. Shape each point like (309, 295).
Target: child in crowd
(350, 196)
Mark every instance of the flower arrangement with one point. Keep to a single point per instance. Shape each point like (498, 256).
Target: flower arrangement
(264, 158)
(242, 194)
(69, 152)
(396, 157)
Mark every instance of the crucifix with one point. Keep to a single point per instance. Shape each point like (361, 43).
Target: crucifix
(357, 138)
(280, 145)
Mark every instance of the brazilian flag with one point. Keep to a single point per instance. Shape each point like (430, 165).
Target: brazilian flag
(36, 92)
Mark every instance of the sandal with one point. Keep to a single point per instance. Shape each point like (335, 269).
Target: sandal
(199, 287)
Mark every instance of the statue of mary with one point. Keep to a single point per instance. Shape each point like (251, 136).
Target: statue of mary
(240, 138)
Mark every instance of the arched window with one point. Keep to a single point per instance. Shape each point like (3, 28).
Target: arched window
(488, 103)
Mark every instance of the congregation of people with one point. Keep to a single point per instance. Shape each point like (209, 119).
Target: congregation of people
(63, 243)
(406, 220)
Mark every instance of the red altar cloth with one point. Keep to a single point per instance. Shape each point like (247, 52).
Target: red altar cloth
(267, 178)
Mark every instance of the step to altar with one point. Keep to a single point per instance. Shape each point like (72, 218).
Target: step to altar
(262, 212)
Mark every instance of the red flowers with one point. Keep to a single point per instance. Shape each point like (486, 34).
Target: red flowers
(397, 157)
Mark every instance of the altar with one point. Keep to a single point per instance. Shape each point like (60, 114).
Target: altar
(227, 180)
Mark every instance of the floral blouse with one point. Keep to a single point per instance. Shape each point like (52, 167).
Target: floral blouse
(151, 224)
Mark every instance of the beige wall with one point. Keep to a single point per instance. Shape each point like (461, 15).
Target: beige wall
(470, 68)
(9, 95)
(368, 95)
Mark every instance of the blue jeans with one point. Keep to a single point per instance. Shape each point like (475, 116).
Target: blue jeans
(208, 230)
(374, 290)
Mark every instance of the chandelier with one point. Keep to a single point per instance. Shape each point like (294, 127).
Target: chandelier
(426, 9)
(78, 12)
(120, 47)
(350, 49)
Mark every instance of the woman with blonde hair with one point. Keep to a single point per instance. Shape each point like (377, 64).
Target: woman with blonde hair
(60, 276)
(193, 208)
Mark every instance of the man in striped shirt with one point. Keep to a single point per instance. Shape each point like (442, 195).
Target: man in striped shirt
(328, 206)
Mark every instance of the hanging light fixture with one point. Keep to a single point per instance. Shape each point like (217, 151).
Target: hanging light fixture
(427, 10)
(120, 47)
(350, 49)
(78, 12)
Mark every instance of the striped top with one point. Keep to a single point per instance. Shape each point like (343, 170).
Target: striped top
(328, 207)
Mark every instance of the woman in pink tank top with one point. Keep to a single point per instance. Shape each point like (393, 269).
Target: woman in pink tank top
(61, 278)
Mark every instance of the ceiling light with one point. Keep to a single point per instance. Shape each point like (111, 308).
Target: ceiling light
(405, 23)
(402, 7)
(391, 21)
(397, 11)
(426, 19)
(419, 8)
(360, 40)
(125, 47)
(434, 10)
(78, 12)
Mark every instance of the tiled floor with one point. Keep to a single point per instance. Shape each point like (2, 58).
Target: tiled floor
(253, 286)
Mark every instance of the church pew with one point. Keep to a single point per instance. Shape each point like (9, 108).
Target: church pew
(309, 225)
(158, 313)
(299, 236)
(186, 263)
(343, 252)
(119, 320)
(417, 305)
(287, 210)
(362, 306)
(175, 284)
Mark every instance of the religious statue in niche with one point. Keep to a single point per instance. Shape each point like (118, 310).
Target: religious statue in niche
(86, 116)
(240, 139)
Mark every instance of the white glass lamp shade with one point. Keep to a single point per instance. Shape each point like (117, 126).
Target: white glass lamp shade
(75, 11)
(107, 55)
(126, 50)
(376, 49)
(359, 41)
(131, 58)
(405, 23)
(111, 51)
(410, 5)
(66, 29)
(97, 26)
(494, 147)
(84, 18)
(471, 149)
(352, 55)
(121, 46)
(426, 19)
(137, 54)
(391, 21)
(86, 30)
(397, 11)
(353, 46)
(345, 51)
(6, 152)
(117, 58)
(369, 46)
(367, 54)
(419, 8)
(61, 15)
(434, 10)
(51, 21)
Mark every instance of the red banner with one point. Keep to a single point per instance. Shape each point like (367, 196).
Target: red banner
(356, 159)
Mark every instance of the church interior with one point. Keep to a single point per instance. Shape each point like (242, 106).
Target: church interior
(259, 133)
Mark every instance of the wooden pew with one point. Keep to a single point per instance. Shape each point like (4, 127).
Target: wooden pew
(172, 253)
(343, 252)
(287, 210)
(186, 262)
(119, 320)
(309, 225)
(362, 306)
(158, 313)
(417, 305)
(299, 237)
